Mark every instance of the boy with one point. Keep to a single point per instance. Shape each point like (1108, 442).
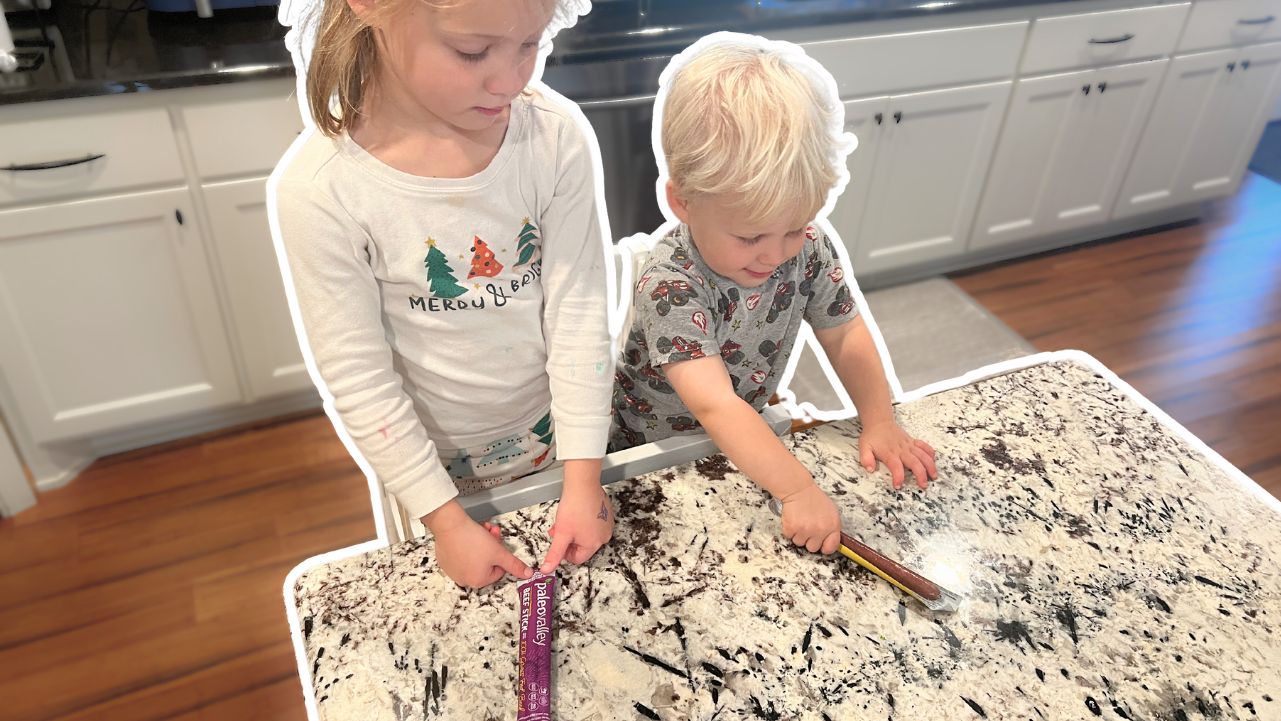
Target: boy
(754, 146)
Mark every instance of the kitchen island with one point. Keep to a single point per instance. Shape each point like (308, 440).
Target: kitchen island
(1110, 568)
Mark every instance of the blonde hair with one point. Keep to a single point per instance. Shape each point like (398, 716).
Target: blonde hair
(346, 57)
(746, 123)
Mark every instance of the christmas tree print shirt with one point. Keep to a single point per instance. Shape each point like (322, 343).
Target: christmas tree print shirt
(445, 314)
(684, 310)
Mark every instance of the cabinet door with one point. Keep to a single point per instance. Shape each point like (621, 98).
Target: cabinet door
(1041, 124)
(238, 218)
(866, 119)
(934, 153)
(1187, 98)
(108, 315)
(1087, 172)
(1234, 119)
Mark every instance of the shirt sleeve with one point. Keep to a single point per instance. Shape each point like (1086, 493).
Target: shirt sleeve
(829, 302)
(675, 314)
(580, 366)
(327, 258)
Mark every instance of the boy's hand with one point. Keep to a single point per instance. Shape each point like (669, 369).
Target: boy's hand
(584, 517)
(469, 553)
(888, 443)
(810, 519)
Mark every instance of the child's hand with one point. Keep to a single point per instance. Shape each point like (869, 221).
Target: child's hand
(810, 519)
(584, 523)
(469, 553)
(891, 445)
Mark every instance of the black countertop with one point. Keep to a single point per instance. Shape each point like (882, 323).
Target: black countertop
(117, 46)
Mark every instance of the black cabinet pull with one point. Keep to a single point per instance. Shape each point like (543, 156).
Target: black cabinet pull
(1257, 21)
(52, 164)
(898, 116)
(1112, 41)
(1103, 86)
(1245, 64)
(1232, 66)
(879, 118)
(177, 214)
(1086, 88)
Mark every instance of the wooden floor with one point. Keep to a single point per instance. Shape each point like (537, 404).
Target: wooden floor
(1190, 316)
(151, 587)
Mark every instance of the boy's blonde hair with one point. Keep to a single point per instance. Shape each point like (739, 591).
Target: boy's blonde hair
(345, 59)
(747, 124)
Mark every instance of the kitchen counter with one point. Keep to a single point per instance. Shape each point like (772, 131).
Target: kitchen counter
(116, 46)
(1110, 570)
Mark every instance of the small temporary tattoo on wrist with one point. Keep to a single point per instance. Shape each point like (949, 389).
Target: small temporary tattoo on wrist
(604, 512)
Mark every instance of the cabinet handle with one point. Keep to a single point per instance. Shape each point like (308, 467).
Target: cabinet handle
(898, 116)
(879, 118)
(27, 167)
(1103, 86)
(1257, 21)
(1245, 64)
(1085, 88)
(1232, 66)
(177, 215)
(1112, 41)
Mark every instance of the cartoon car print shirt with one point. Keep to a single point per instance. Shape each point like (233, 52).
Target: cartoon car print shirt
(684, 310)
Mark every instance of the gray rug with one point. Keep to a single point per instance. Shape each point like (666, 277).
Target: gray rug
(934, 331)
(1267, 157)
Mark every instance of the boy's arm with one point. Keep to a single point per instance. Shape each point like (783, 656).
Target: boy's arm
(850, 348)
(810, 519)
(737, 429)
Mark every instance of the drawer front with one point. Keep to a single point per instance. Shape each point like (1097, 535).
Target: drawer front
(1105, 38)
(894, 63)
(61, 157)
(242, 137)
(1224, 23)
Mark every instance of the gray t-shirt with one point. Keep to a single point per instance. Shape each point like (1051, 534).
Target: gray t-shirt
(684, 310)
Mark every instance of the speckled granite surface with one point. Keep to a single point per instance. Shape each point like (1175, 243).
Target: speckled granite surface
(1110, 571)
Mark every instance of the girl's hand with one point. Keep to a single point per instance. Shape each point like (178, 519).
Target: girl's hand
(469, 553)
(810, 519)
(891, 445)
(584, 521)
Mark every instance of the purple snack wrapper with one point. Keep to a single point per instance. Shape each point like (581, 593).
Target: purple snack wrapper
(534, 674)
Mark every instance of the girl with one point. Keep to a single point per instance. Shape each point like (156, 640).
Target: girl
(443, 236)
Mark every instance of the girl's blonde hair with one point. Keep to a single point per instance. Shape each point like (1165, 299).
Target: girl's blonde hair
(345, 58)
(746, 122)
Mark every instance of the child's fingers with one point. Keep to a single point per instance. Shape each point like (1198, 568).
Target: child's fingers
(508, 562)
(556, 553)
(896, 471)
(928, 460)
(869, 459)
(924, 446)
(917, 468)
(831, 543)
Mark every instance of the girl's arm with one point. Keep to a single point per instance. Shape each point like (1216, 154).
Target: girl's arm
(580, 366)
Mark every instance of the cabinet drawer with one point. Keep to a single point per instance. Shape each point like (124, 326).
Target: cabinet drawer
(1221, 23)
(242, 137)
(893, 63)
(1106, 38)
(50, 158)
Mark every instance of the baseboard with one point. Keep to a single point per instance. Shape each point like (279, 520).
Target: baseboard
(208, 422)
(1146, 223)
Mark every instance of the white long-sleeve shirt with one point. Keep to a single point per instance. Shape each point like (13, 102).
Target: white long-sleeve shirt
(452, 312)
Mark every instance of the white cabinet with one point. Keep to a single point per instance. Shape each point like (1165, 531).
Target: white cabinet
(862, 118)
(929, 155)
(1064, 151)
(1207, 120)
(109, 315)
(238, 218)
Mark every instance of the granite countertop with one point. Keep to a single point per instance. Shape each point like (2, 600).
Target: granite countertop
(117, 46)
(1110, 569)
